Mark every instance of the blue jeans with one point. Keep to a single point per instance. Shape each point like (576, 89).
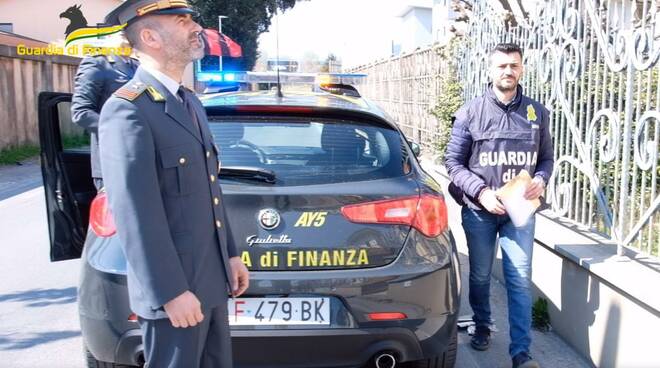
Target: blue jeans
(481, 230)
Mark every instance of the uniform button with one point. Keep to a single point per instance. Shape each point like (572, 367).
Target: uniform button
(208, 154)
(182, 160)
(216, 201)
(212, 178)
(218, 224)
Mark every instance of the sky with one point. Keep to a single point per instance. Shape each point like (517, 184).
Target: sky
(357, 31)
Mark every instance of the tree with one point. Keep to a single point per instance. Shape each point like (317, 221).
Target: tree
(247, 19)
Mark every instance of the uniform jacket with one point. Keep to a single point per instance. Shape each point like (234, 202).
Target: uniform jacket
(97, 78)
(160, 177)
(491, 143)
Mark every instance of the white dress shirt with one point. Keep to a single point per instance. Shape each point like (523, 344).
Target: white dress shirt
(169, 83)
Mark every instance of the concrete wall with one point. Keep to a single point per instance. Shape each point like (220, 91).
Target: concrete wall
(602, 304)
(21, 80)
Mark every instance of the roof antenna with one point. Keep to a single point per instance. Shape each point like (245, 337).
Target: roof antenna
(277, 51)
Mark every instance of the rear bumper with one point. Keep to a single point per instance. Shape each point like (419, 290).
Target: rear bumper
(331, 348)
(113, 343)
(353, 347)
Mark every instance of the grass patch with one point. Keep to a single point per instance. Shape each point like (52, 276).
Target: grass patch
(540, 315)
(10, 156)
(75, 141)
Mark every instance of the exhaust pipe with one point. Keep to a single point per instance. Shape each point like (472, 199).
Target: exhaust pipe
(385, 360)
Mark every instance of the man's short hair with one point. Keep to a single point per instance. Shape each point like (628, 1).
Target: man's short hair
(133, 29)
(507, 48)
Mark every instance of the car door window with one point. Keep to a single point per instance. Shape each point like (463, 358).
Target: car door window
(72, 137)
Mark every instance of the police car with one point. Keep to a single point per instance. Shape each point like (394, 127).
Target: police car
(346, 237)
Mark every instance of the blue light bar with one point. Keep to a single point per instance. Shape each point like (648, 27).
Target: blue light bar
(219, 76)
(209, 77)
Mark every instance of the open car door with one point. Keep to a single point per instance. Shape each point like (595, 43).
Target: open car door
(67, 177)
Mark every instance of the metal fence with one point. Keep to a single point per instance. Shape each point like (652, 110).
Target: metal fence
(407, 88)
(594, 64)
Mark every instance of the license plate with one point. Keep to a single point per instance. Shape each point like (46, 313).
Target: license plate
(279, 311)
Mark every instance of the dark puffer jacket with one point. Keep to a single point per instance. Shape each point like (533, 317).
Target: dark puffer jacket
(491, 143)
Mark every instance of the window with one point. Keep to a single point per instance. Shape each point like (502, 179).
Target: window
(7, 27)
(72, 136)
(303, 152)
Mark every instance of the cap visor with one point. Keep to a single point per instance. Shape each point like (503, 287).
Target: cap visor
(175, 11)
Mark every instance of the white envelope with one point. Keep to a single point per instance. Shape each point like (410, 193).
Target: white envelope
(512, 196)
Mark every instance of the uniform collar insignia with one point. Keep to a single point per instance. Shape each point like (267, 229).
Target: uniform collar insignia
(154, 94)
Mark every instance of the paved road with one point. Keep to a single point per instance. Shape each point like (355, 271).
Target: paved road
(38, 319)
(16, 179)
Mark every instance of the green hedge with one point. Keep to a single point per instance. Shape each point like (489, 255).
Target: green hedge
(13, 155)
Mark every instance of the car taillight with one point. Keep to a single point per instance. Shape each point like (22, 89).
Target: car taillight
(387, 316)
(100, 216)
(427, 213)
(431, 217)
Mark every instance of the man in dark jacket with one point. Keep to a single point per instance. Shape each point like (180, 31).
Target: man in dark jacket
(495, 137)
(97, 78)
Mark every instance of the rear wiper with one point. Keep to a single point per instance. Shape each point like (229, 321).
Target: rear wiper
(249, 172)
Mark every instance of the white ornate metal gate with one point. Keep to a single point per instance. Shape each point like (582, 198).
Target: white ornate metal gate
(594, 64)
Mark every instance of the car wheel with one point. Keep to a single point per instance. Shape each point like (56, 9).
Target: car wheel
(447, 359)
(91, 362)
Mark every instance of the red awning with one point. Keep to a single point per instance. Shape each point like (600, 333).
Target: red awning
(218, 44)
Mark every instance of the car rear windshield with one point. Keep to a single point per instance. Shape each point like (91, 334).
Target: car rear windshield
(304, 151)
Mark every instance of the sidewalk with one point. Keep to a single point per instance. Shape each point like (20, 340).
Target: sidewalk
(547, 347)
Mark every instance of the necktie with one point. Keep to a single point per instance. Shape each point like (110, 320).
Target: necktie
(189, 108)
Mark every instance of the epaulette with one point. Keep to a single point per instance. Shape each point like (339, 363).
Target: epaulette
(154, 94)
(130, 91)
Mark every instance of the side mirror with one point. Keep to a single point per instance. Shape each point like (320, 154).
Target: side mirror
(415, 148)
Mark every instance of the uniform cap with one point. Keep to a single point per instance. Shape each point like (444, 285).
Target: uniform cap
(132, 9)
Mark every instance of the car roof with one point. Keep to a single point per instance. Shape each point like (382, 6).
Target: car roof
(313, 100)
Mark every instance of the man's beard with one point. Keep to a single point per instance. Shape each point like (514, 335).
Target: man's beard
(505, 88)
(196, 53)
(184, 52)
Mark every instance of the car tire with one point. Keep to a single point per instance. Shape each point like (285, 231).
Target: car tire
(446, 360)
(91, 362)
